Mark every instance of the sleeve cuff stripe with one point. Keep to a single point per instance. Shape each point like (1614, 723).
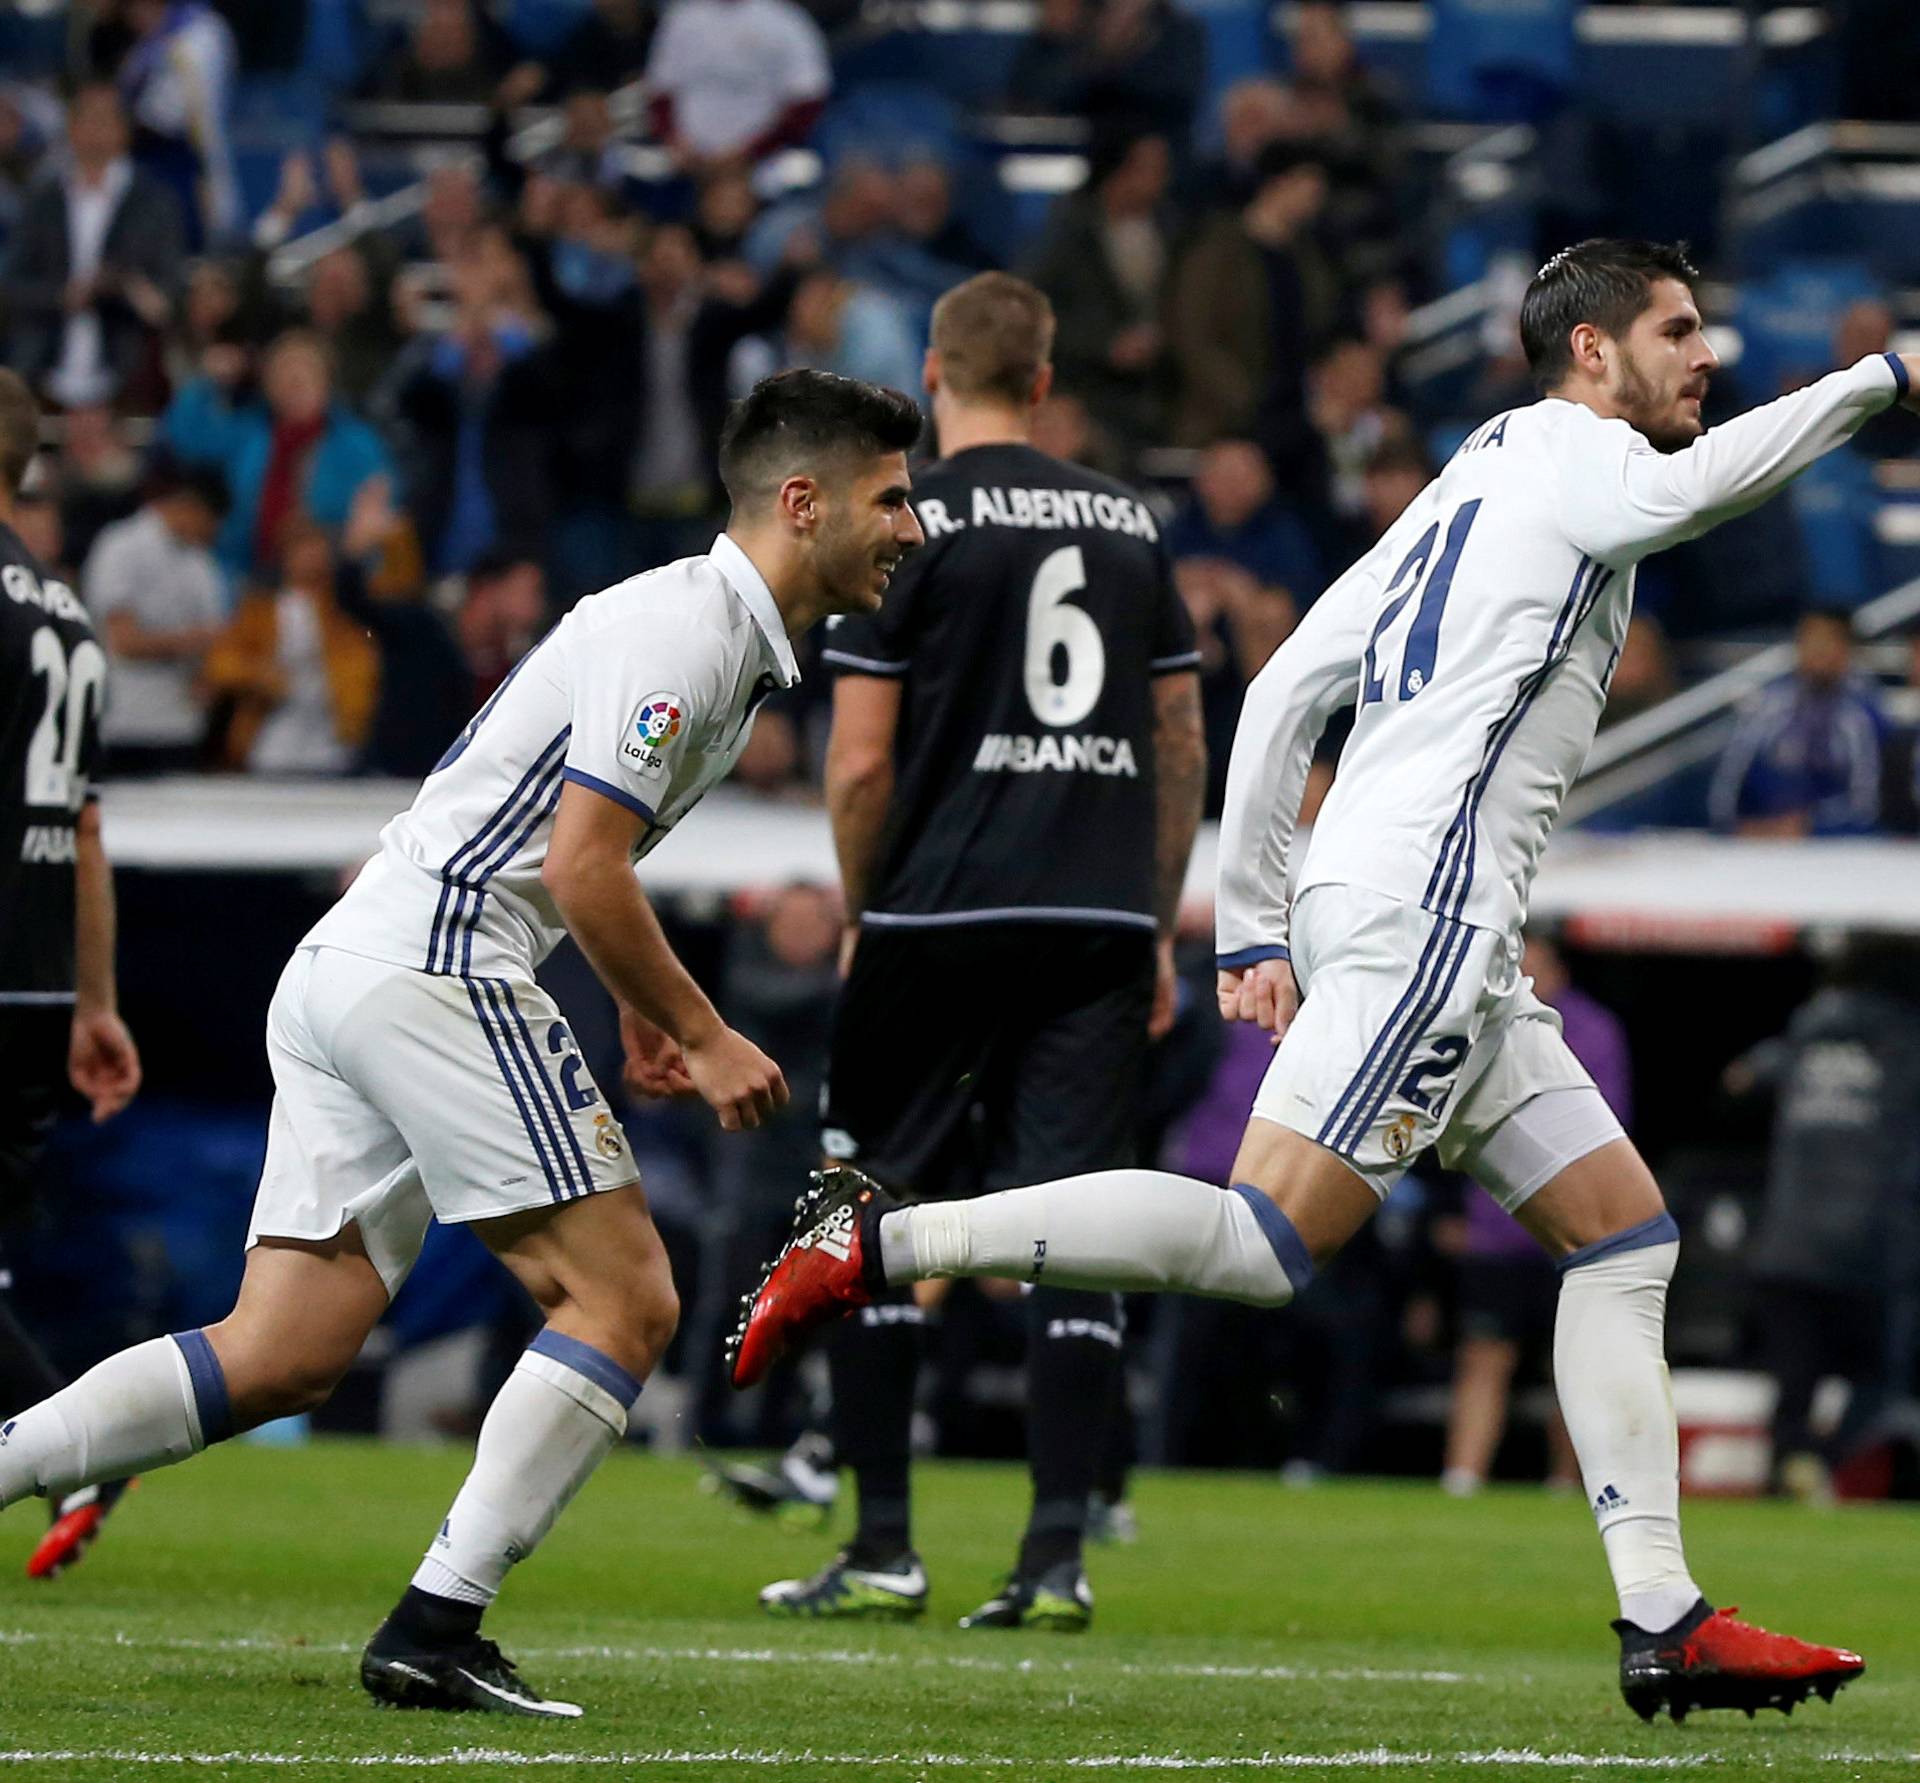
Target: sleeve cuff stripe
(1189, 659)
(867, 664)
(1249, 956)
(1900, 384)
(580, 777)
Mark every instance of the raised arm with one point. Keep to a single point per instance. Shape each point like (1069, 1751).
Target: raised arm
(1288, 704)
(1622, 498)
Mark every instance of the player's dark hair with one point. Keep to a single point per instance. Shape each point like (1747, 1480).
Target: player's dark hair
(994, 335)
(19, 430)
(791, 423)
(1606, 281)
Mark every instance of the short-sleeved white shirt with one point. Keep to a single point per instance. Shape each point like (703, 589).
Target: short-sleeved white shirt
(732, 67)
(645, 693)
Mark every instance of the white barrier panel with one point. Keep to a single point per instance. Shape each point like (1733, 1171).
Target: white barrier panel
(1664, 889)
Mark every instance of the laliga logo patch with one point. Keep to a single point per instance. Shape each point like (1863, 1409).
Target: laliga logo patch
(658, 720)
(606, 1136)
(656, 724)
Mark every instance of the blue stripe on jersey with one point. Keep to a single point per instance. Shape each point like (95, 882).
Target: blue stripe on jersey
(521, 1080)
(552, 1089)
(513, 1089)
(453, 873)
(543, 801)
(606, 789)
(1452, 876)
(1448, 887)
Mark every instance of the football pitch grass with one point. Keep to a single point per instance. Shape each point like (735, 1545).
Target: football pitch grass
(1349, 1630)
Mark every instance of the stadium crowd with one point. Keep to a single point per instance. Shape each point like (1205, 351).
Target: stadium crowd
(323, 468)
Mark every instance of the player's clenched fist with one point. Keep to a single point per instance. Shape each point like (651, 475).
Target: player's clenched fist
(1263, 993)
(736, 1080)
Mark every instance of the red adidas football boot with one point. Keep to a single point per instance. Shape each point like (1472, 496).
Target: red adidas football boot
(1708, 1660)
(76, 1523)
(829, 1266)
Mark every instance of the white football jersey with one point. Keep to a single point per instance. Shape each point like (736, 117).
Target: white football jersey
(645, 693)
(1475, 642)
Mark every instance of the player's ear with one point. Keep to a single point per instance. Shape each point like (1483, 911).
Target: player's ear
(1588, 355)
(1042, 387)
(801, 504)
(930, 371)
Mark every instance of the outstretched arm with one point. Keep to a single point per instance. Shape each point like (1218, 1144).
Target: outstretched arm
(1287, 707)
(1625, 499)
(102, 1060)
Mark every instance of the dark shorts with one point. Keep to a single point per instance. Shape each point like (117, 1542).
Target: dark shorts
(33, 1083)
(987, 1055)
(1508, 1299)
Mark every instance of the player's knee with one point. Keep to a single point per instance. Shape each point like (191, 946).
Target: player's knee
(655, 1316)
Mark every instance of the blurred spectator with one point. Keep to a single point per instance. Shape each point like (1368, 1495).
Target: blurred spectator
(96, 478)
(1347, 400)
(923, 196)
(835, 324)
(449, 59)
(588, 152)
(347, 309)
(178, 82)
(724, 211)
(771, 764)
(1839, 1237)
(293, 680)
(1097, 58)
(211, 315)
(736, 79)
(298, 451)
(1326, 60)
(1509, 1288)
(1643, 676)
(427, 690)
(1805, 759)
(1235, 513)
(36, 521)
(1250, 297)
(608, 48)
(452, 209)
(158, 599)
(500, 618)
(94, 266)
(31, 122)
(481, 406)
(1253, 113)
(1062, 428)
(1104, 262)
(1397, 469)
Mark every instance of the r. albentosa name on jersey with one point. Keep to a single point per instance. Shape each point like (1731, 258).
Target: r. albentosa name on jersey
(1042, 510)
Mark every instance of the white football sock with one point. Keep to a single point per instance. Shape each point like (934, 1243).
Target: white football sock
(563, 1407)
(147, 1407)
(1131, 1230)
(1610, 1370)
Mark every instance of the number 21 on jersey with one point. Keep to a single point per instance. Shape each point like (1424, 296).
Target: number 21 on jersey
(1421, 650)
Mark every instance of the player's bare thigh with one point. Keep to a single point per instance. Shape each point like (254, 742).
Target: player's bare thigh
(1609, 1190)
(597, 1269)
(304, 1310)
(1319, 1192)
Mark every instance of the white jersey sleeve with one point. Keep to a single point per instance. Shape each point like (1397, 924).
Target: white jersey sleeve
(639, 715)
(1311, 676)
(1621, 499)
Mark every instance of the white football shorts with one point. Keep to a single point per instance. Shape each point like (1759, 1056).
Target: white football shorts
(402, 1097)
(1417, 1030)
